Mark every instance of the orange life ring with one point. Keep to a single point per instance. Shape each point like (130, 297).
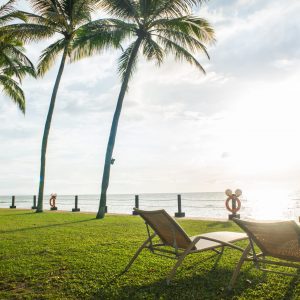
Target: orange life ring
(231, 209)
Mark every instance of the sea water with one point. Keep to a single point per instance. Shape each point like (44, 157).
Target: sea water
(200, 205)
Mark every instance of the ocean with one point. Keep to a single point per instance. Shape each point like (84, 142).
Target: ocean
(209, 205)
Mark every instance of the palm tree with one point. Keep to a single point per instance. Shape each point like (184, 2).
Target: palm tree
(14, 64)
(61, 19)
(159, 28)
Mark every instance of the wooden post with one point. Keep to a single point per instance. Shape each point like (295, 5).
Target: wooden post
(34, 203)
(136, 200)
(12, 202)
(179, 214)
(76, 205)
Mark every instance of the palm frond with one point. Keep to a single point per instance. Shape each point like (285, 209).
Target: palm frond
(22, 71)
(152, 50)
(16, 50)
(190, 25)
(126, 9)
(173, 8)
(11, 16)
(36, 19)
(28, 32)
(8, 13)
(201, 28)
(186, 33)
(184, 40)
(10, 64)
(49, 56)
(51, 10)
(124, 60)
(179, 52)
(12, 89)
(7, 7)
(13, 59)
(79, 11)
(100, 35)
(146, 7)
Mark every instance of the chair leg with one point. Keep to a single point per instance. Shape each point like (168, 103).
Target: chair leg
(181, 258)
(218, 259)
(138, 252)
(238, 267)
(178, 263)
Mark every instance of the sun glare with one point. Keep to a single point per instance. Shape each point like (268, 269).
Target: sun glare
(270, 205)
(261, 136)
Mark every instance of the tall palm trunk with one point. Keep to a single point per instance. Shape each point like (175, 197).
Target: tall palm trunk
(47, 129)
(113, 131)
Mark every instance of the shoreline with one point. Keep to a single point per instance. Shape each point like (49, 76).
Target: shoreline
(112, 214)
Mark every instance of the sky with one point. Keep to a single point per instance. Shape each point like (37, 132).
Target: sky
(180, 131)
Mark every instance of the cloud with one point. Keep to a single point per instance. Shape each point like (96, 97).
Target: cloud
(179, 130)
(253, 34)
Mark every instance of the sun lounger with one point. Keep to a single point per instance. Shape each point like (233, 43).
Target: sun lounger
(279, 240)
(175, 243)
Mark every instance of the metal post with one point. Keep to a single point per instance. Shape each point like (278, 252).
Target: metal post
(234, 205)
(179, 214)
(12, 202)
(34, 203)
(234, 214)
(105, 209)
(136, 200)
(76, 205)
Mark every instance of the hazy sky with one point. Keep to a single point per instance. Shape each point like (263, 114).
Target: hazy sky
(180, 131)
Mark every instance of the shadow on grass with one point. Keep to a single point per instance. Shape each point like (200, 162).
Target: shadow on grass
(293, 284)
(46, 226)
(220, 224)
(209, 285)
(19, 214)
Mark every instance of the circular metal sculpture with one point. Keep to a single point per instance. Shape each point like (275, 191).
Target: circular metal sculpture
(233, 203)
(52, 201)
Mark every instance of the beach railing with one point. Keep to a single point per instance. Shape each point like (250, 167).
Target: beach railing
(203, 205)
(178, 205)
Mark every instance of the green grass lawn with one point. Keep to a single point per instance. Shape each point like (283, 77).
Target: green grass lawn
(74, 256)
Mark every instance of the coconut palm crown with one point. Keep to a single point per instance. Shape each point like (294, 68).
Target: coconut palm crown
(154, 28)
(14, 64)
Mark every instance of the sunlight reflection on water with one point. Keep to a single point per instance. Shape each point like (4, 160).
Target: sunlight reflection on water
(272, 205)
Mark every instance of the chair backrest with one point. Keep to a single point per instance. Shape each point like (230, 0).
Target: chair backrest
(169, 231)
(277, 239)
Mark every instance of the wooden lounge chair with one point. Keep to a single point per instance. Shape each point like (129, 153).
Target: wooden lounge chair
(175, 243)
(280, 240)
